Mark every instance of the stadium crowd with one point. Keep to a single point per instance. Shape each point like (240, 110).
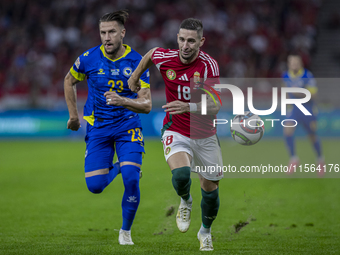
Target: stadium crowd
(40, 40)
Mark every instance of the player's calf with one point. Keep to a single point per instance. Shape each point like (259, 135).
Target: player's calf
(131, 197)
(181, 182)
(210, 204)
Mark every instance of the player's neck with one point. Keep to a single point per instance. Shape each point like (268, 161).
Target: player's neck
(118, 54)
(190, 60)
(296, 72)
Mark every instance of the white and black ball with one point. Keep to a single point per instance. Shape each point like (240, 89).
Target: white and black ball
(247, 128)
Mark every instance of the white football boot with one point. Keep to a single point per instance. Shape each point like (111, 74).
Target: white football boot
(205, 241)
(125, 237)
(183, 217)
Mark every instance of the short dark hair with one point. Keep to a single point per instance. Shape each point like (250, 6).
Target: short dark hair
(193, 24)
(119, 16)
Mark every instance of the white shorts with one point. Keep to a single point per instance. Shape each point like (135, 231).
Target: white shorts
(205, 153)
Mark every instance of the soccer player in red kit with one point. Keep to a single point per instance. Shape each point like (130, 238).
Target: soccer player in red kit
(189, 137)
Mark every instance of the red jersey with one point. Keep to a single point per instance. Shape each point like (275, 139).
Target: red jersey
(176, 76)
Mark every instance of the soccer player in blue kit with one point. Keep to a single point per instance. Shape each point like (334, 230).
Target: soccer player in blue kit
(298, 76)
(111, 114)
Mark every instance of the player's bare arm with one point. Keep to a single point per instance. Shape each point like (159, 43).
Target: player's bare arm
(143, 65)
(179, 107)
(142, 104)
(70, 92)
(213, 106)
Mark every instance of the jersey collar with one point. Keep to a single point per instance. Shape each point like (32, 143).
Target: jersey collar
(127, 51)
(298, 74)
(179, 58)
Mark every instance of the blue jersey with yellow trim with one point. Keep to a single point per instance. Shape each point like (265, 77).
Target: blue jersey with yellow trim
(303, 79)
(104, 74)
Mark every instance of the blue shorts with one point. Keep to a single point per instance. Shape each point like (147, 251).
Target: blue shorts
(101, 144)
(308, 121)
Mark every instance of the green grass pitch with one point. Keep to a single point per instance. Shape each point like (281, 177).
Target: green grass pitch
(45, 207)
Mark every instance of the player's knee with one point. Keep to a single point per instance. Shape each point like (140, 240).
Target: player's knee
(288, 131)
(94, 185)
(96, 189)
(313, 126)
(130, 174)
(210, 197)
(181, 175)
(131, 181)
(313, 137)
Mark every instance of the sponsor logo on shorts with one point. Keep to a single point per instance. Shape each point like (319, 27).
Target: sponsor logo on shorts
(167, 150)
(171, 74)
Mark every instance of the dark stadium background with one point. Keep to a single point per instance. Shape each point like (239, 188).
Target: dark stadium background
(40, 40)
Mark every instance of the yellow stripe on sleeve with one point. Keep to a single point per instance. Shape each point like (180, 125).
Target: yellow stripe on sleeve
(78, 76)
(312, 90)
(144, 84)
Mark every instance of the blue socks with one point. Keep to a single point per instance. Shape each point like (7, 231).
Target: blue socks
(317, 147)
(131, 195)
(130, 174)
(290, 145)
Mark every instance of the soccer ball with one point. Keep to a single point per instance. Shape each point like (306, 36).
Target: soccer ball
(247, 128)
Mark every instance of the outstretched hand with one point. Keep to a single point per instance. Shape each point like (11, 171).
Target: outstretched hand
(176, 107)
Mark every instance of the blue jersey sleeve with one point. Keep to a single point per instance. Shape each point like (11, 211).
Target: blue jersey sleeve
(311, 83)
(78, 69)
(310, 80)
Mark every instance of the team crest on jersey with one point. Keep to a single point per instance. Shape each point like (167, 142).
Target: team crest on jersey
(114, 71)
(101, 71)
(171, 74)
(196, 77)
(77, 63)
(167, 150)
(127, 71)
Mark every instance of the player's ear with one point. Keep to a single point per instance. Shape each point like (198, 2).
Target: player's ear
(122, 33)
(202, 40)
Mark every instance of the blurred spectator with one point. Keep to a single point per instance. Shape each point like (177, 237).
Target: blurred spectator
(249, 38)
(334, 21)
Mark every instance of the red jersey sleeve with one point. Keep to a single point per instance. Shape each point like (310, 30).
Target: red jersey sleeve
(160, 54)
(213, 72)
